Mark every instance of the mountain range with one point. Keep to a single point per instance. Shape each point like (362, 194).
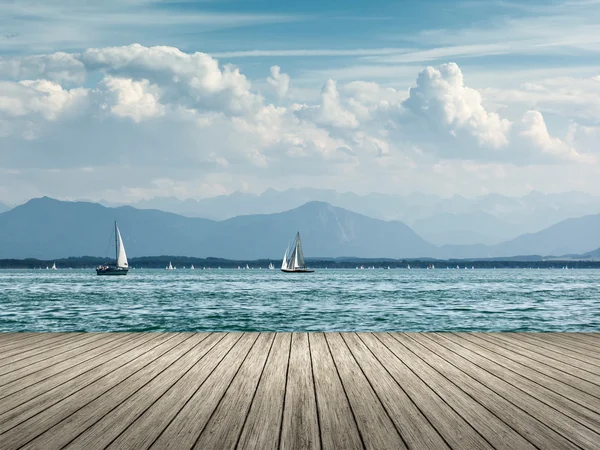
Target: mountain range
(489, 219)
(45, 228)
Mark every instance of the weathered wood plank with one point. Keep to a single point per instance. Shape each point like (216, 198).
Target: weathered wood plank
(40, 346)
(149, 426)
(300, 427)
(223, 428)
(263, 423)
(565, 425)
(582, 387)
(82, 418)
(26, 403)
(516, 419)
(457, 416)
(24, 375)
(38, 424)
(376, 428)
(337, 424)
(184, 429)
(589, 352)
(108, 428)
(547, 390)
(416, 430)
(574, 366)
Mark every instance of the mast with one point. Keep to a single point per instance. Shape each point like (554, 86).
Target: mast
(116, 245)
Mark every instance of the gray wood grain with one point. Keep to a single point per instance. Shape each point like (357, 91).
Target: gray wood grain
(263, 423)
(223, 428)
(38, 424)
(300, 428)
(105, 430)
(515, 418)
(149, 426)
(337, 424)
(184, 429)
(497, 380)
(376, 428)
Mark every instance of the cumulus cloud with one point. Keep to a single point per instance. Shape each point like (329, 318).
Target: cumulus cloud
(176, 115)
(441, 97)
(137, 100)
(280, 82)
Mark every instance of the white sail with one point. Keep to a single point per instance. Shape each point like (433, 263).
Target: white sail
(284, 262)
(121, 255)
(299, 253)
(192, 268)
(54, 266)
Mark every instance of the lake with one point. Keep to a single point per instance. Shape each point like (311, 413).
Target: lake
(327, 300)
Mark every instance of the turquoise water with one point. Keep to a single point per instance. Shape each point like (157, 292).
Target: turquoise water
(265, 300)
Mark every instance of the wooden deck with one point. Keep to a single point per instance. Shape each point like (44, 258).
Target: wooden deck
(299, 391)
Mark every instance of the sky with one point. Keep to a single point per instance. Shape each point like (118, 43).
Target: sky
(133, 99)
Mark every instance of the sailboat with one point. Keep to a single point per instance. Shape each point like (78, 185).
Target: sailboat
(121, 266)
(295, 261)
(54, 266)
(271, 266)
(169, 267)
(192, 267)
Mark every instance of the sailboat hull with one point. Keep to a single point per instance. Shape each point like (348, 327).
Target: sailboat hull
(297, 270)
(111, 271)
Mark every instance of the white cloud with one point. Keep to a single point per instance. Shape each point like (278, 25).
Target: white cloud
(137, 100)
(159, 113)
(280, 82)
(441, 97)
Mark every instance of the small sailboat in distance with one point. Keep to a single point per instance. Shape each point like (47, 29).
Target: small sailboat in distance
(192, 267)
(54, 266)
(271, 266)
(169, 267)
(295, 261)
(121, 266)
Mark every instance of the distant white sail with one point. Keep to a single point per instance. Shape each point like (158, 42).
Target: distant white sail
(121, 255)
(284, 264)
(192, 268)
(54, 266)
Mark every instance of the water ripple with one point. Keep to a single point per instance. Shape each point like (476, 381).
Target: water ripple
(327, 300)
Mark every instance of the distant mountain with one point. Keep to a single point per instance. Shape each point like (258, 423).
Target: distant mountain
(45, 228)
(3, 207)
(577, 235)
(488, 219)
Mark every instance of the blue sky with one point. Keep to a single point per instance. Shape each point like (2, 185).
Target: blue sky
(505, 96)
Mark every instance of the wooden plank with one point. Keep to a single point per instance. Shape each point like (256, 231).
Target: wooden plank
(185, 428)
(21, 379)
(114, 422)
(455, 414)
(575, 366)
(536, 406)
(263, 423)
(25, 375)
(300, 427)
(531, 380)
(527, 426)
(148, 427)
(33, 427)
(40, 346)
(11, 340)
(591, 353)
(59, 435)
(224, 427)
(544, 390)
(337, 424)
(376, 428)
(413, 426)
(26, 403)
(532, 361)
